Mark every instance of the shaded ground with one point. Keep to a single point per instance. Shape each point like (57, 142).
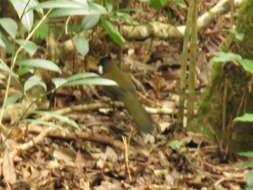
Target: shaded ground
(96, 157)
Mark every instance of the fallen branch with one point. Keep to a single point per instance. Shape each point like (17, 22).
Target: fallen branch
(67, 135)
(162, 30)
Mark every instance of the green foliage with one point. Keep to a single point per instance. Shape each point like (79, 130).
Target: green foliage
(159, 4)
(28, 46)
(247, 117)
(125, 17)
(90, 21)
(39, 63)
(180, 3)
(177, 145)
(247, 65)
(229, 56)
(2, 40)
(225, 57)
(237, 35)
(57, 116)
(108, 4)
(25, 50)
(24, 11)
(6, 69)
(81, 44)
(93, 13)
(10, 26)
(13, 99)
(43, 31)
(247, 164)
(82, 79)
(34, 81)
(112, 32)
(45, 123)
(249, 180)
(72, 8)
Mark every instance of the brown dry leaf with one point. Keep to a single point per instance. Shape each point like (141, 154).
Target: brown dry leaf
(164, 125)
(80, 162)
(111, 155)
(101, 157)
(105, 185)
(9, 172)
(65, 155)
(84, 185)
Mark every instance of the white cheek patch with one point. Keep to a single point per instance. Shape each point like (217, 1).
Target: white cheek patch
(100, 70)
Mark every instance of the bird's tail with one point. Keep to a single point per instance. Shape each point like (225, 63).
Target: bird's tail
(140, 116)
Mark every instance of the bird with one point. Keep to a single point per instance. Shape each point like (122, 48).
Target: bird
(125, 92)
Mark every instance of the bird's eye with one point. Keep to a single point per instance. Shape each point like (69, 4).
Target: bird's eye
(100, 69)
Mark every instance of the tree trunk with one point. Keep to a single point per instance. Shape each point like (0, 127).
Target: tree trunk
(229, 94)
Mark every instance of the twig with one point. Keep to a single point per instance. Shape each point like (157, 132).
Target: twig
(126, 157)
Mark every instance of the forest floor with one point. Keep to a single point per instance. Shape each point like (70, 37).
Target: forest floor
(106, 153)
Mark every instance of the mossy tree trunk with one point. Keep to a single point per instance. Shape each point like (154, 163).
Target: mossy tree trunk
(229, 94)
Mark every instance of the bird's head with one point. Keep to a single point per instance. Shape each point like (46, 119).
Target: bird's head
(105, 65)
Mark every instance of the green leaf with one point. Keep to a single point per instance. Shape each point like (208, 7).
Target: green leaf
(10, 26)
(34, 81)
(62, 81)
(9, 46)
(13, 99)
(90, 21)
(246, 154)
(174, 144)
(145, 1)
(249, 178)
(40, 63)
(29, 46)
(225, 57)
(92, 81)
(108, 4)
(58, 82)
(96, 8)
(112, 32)
(62, 4)
(247, 117)
(75, 11)
(180, 3)
(238, 36)
(2, 43)
(25, 70)
(158, 4)
(34, 3)
(45, 123)
(23, 9)
(82, 79)
(6, 69)
(43, 31)
(79, 76)
(81, 44)
(246, 164)
(247, 65)
(124, 17)
(59, 117)
(69, 8)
